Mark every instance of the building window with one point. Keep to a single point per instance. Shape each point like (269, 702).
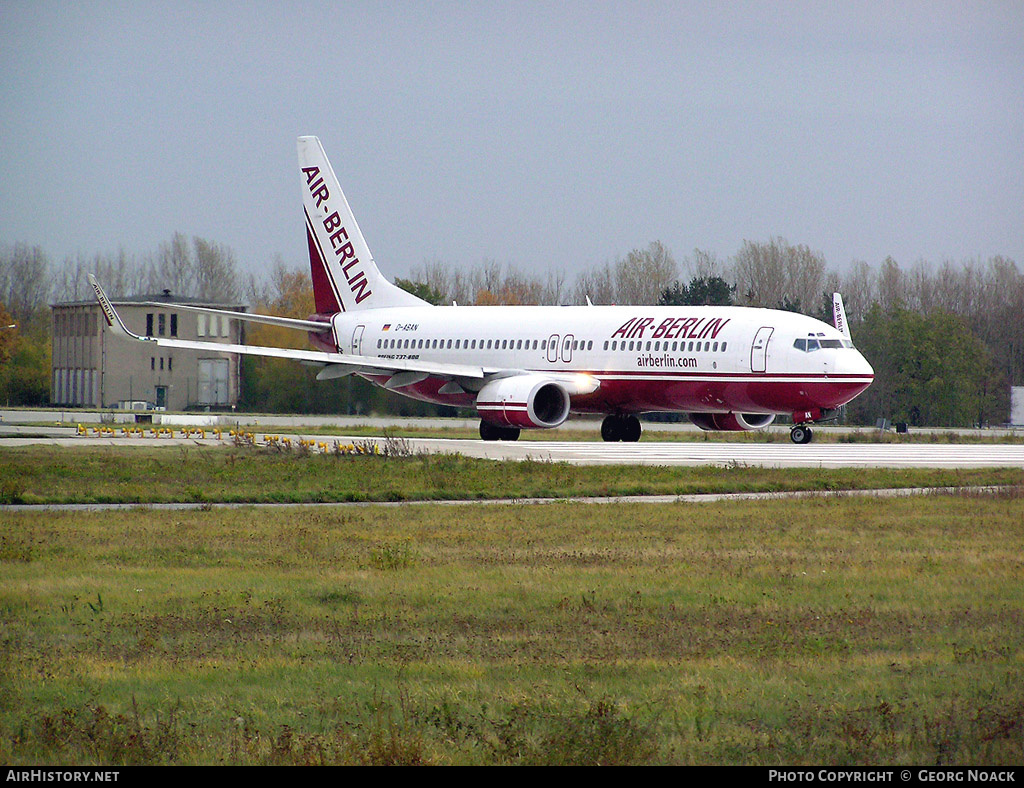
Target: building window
(161, 324)
(174, 325)
(149, 324)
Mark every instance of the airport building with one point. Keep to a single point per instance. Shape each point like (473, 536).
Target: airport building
(93, 368)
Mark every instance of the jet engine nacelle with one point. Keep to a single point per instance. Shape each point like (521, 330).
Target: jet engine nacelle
(732, 422)
(525, 401)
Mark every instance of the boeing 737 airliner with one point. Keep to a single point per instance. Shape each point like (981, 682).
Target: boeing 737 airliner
(528, 367)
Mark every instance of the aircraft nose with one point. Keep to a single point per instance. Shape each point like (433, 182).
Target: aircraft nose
(855, 364)
(851, 362)
(865, 367)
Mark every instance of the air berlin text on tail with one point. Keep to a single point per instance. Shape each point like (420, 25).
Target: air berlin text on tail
(338, 235)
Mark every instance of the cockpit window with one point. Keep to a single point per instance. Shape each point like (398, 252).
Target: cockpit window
(811, 344)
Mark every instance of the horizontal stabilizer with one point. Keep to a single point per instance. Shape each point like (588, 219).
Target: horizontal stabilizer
(249, 317)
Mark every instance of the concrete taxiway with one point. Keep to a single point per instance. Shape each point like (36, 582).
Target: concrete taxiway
(782, 454)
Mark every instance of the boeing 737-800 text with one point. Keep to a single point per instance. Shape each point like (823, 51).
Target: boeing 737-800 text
(529, 367)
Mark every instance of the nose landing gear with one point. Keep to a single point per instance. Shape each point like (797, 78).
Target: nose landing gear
(801, 432)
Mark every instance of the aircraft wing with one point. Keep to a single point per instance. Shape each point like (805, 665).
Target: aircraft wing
(348, 362)
(402, 371)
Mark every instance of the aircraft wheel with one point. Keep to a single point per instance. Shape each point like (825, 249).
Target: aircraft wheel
(631, 429)
(490, 432)
(509, 433)
(800, 434)
(611, 429)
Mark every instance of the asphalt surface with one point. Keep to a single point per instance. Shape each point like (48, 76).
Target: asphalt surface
(780, 454)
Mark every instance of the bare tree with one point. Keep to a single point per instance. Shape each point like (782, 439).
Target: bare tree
(121, 275)
(858, 289)
(892, 286)
(644, 274)
(24, 280)
(597, 284)
(704, 264)
(215, 272)
(173, 268)
(777, 274)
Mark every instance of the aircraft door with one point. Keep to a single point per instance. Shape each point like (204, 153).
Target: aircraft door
(357, 341)
(759, 349)
(553, 348)
(567, 348)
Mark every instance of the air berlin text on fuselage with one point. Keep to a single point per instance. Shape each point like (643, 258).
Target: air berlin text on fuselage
(338, 235)
(672, 328)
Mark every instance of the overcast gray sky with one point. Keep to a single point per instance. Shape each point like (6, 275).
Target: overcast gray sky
(545, 135)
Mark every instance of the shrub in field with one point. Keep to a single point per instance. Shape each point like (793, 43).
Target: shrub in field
(600, 735)
(95, 735)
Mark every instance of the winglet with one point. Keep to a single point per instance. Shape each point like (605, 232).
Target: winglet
(839, 315)
(114, 322)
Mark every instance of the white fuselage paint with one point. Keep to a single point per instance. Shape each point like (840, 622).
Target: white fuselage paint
(707, 353)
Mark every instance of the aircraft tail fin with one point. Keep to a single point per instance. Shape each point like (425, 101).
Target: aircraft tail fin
(345, 277)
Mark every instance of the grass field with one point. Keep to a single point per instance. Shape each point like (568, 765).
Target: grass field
(229, 474)
(832, 631)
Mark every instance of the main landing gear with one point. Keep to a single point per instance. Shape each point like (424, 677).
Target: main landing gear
(492, 432)
(621, 428)
(801, 433)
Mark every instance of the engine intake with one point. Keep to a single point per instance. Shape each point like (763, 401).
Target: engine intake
(732, 422)
(525, 401)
